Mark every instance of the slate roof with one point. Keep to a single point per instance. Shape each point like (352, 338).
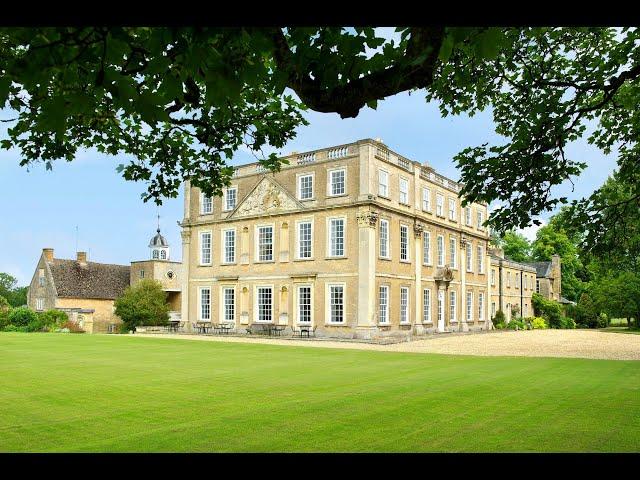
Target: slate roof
(91, 280)
(543, 269)
(158, 241)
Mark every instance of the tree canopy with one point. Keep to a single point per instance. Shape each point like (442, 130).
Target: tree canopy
(144, 303)
(181, 101)
(516, 246)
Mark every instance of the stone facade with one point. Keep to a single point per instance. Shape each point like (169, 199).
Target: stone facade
(512, 285)
(337, 238)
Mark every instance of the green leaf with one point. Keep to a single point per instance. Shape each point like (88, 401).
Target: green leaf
(5, 87)
(372, 104)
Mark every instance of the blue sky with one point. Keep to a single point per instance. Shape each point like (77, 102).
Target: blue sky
(41, 209)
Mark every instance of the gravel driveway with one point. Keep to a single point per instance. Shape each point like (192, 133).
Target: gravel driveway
(531, 343)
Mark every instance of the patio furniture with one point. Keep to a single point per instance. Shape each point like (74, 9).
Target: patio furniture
(277, 330)
(226, 327)
(303, 330)
(173, 326)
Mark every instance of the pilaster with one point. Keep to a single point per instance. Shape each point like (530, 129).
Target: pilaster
(366, 269)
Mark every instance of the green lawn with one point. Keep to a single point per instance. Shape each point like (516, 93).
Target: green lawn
(632, 330)
(109, 393)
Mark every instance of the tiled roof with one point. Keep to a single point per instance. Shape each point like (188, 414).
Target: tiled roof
(91, 280)
(543, 269)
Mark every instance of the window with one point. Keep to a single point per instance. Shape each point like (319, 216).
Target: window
(231, 194)
(337, 182)
(205, 303)
(41, 280)
(163, 254)
(383, 183)
(265, 243)
(508, 279)
(265, 304)
(404, 191)
(229, 242)
(493, 309)
(141, 273)
(404, 242)
(452, 209)
(305, 187)
(518, 280)
(426, 305)
(493, 276)
(480, 219)
(452, 252)
(304, 304)
(39, 303)
(467, 215)
(336, 237)
(480, 258)
(439, 205)
(440, 251)
(336, 303)
(426, 199)
(426, 248)
(304, 240)
(452, 306)
(537, 286)
(481, 306)
(440, 306)
(383, 304)
(205, 248)
(229, 304)
(155, 255)
(384, 238)
(206, 204)
(469, 306)
(469, 257)
(404, 304)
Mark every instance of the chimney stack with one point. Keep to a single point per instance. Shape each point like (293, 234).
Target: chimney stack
(82, 258)
(48, 254)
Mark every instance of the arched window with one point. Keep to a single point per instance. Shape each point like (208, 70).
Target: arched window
(163, 254)
(155, 254)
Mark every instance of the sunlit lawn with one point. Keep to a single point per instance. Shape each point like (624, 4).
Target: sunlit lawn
(121, 393)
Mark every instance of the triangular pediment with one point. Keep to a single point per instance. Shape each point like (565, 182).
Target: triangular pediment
(267, 197)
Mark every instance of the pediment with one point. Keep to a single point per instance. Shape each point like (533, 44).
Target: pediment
(267, 197)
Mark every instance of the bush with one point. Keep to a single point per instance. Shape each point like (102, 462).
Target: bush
(72, 327)
(36, 325)
(123, 328)
(500, 326)
(515, 324)
(22, 316)
(539, 323)
(53, 318)
(603, 320)
(4, 319)
(13, 328)
(568, 323)
(499, 319)
(144, 303)
(550, 310)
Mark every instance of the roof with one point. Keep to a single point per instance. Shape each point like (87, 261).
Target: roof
(158, 240)
(543, 269)
(564, 300)
(90, 280)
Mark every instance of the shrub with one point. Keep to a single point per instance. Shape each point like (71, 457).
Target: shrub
(603, 320)
(515, 311)
(4, 319)
(144, 303)
(499, 319)
(72, 327)
(539, 323)
(515, 324)
(500, 326)
(36, 325)
(13, 328)
(123, 328)
(53, 318)
(4, 304)
(567, 322)
(22, 316)
(586, 312)
(550, 310)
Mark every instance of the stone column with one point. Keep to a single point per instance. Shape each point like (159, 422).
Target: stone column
(184, 280)
(441, 324)
(463, 326)
(418, 228)
(366, 272)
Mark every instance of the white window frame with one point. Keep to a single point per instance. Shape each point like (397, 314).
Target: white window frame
(200, 304)
(426, 248)
(327, 317)
(226, 198)
(480, 218)
(386, 243)
(441, 305)
(469, 257)
(440, 250)
(467, 216)
(39, 304)
(480, 258)
(209, 211)
(426, 199)
(257, 242)
(407, 257)
(223, 242)
(404, 307)
(452, 211)
(223, 303)
(330, 182)
(299, 224)
(405, 181)
(453, 306)
(493, 309)
(453, 252)
(480, 306)
(383, 192)
(344, 237)
(439, 205)
(383, 320)
(256, 307)
(426, 305)
(201, 235)
(299, 178)
(298, 304)
(493, 277)
(469, 298)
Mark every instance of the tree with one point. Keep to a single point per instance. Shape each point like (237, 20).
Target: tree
(516, 246)
(618, 296)
(144, 303)
(181, 101)
(586, 313)
(16, 296)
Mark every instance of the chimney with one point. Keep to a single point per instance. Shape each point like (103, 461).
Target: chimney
(82, 258)
(48, 254)
(497, 251)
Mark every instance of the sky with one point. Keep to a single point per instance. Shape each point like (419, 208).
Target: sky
(43, 208)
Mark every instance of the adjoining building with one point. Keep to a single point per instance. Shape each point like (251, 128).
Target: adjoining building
(548, 279)
(512, 285)
(354, 240)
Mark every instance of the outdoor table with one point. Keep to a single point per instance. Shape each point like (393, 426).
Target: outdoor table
(277, 330)
(173, 325)
(225, 327)
(203, 327)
